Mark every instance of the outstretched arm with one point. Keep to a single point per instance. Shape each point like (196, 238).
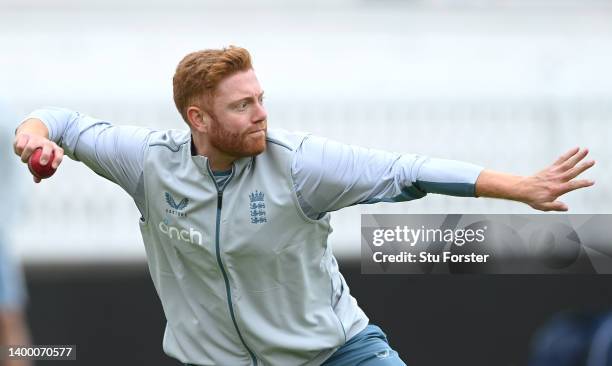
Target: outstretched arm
(329, 176)
(542, 189)
(114, 152)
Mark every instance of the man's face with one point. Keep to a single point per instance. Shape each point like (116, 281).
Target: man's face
(239, 119)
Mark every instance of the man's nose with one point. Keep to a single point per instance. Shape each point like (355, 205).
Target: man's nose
(260, 113)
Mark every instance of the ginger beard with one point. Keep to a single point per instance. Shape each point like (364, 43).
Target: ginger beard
(239, 143)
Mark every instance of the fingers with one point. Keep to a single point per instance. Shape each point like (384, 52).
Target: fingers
(566, 156)
(59, 156)
(26, 144)
(573, 160)
(577, 170)
(575, 184)
(553, 206)
(47, 150)
(27, 151)
(20, 143)
(46, 154)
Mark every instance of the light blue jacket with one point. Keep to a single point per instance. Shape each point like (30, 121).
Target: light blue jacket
(244, 271)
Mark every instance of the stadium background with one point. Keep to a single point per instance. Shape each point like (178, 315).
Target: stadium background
(505, 84)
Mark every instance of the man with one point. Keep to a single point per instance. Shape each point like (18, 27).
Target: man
(235, 217)
(13, 328)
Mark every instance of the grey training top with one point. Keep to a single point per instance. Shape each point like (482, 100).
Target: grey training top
(327, 175)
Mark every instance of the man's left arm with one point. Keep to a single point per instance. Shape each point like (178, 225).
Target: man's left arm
(329, 176)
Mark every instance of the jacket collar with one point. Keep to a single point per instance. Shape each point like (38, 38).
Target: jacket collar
(201, 162)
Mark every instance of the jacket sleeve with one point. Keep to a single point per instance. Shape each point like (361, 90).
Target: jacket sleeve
(329, 175)
(112, 151)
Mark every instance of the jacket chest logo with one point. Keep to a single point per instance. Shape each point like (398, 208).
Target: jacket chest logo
(177, 209)
(257, 207)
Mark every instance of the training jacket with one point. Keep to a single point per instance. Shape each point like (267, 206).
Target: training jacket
(244, 270)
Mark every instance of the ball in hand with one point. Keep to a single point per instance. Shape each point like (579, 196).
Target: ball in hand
(37, 169)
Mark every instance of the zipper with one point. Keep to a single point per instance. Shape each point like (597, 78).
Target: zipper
(220, 263)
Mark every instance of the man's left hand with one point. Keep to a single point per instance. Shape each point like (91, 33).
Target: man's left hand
(542, 189)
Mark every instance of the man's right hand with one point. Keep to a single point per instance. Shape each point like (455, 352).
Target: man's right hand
(28, 138)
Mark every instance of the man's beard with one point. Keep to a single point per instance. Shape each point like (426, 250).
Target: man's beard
(238, 144)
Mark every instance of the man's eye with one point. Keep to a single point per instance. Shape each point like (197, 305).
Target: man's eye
(242, 105)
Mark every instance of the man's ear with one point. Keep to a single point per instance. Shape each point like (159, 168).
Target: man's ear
(199, 119)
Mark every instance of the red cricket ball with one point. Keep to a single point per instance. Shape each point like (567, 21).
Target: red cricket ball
(37, 169)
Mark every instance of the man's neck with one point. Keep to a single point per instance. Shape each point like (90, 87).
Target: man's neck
(217, 160)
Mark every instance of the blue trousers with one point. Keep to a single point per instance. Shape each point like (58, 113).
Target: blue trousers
(368, 348)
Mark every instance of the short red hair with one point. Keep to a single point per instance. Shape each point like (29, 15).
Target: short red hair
(199, 73)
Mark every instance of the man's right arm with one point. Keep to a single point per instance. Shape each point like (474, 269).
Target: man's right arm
(114, 152)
